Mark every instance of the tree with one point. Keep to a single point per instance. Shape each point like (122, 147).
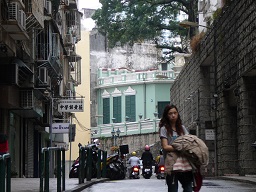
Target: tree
(136, 21)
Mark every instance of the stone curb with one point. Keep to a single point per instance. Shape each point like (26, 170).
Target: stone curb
(87, 184)
(238, 179)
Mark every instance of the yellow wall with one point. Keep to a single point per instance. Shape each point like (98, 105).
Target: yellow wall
(82, 136)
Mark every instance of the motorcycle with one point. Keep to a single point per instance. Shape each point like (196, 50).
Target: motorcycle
(74, 171)
(115, 167)
(160, 172)
(135, 172)
(147, 171)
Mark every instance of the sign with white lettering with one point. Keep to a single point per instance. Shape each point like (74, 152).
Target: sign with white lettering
(209, 134)
(71, 105)
(60, 128)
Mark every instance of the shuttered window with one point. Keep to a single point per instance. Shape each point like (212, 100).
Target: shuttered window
(117, 111)
(130, 107)
(161, 105)
(106, 111)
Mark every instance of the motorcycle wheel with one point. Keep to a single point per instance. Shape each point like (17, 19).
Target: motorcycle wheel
(73, 174)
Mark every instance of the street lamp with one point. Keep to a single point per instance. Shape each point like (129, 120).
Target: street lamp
(115, 134)
(140, 116)
(188, 24)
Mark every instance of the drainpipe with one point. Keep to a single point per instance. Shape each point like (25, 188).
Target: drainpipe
(215, 96)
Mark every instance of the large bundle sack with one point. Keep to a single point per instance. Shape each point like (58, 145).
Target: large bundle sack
(193, 148)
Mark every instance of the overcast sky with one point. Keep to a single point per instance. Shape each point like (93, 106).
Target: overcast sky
(93, 4)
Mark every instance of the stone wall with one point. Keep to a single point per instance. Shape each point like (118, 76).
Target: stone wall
(135, 143)
(223, 66)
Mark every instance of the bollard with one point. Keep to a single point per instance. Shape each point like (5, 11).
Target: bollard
(81, 165)
(99, 164)
(42, 168)
(63, 170)
(59, 171)
(89, 165)
(46, 171)
(2, 174)
(44, 163)
(104, 164)
(8, 174)
(5, 169)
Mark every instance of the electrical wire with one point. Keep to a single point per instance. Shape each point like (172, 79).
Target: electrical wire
(84, 128)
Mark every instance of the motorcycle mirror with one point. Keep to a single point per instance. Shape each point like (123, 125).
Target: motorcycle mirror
(96, 141)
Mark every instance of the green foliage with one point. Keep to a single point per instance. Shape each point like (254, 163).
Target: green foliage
(136, 21)
(217, 13)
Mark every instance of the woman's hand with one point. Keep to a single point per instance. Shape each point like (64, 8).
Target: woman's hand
(165, 145)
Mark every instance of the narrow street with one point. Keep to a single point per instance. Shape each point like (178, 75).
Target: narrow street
(153, 185)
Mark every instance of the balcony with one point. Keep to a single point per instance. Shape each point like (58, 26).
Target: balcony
(75, 69)
(15, 25)
(30, 105)
(35, 14)
(137, 77)
(128, 128)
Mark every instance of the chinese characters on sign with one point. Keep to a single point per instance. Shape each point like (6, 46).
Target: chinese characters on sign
(71, 105)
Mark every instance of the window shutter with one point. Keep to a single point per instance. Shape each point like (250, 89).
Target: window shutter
(117, 111)
(106, 111)
(130, 107)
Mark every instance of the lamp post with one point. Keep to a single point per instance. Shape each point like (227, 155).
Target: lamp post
(125, 124)
(155, 115)
(188, 24)
(140, 117)
(51, 115)
(115, 134)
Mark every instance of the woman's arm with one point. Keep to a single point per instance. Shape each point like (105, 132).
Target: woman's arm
(165, 146)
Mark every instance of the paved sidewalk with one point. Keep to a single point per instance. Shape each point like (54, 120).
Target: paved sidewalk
(246, 179)
(33, 184)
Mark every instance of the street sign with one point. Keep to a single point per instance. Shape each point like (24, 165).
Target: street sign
(209, 134)
(60, 128)
(71, 105)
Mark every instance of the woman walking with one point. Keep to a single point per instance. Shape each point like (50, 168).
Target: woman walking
(170, 127)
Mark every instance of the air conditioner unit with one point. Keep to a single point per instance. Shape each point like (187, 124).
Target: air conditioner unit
(49, 7)
(27, 99)
(13, 11)
(22, 19)
(43, 75)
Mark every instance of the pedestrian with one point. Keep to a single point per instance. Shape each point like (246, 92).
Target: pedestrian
(170, 127)
(3, 144)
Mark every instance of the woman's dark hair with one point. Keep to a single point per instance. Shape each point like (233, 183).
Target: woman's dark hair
(166, 122)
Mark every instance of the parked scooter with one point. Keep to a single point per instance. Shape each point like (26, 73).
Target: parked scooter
(115, 167)
(147, 171)
(135, 172)
(74, 171)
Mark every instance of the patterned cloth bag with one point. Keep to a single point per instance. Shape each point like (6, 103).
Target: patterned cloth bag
(182, 165)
